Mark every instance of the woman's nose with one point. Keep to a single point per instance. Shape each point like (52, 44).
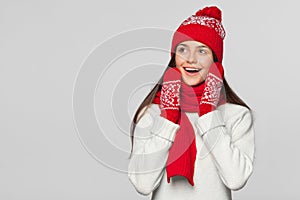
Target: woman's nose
(191, 58)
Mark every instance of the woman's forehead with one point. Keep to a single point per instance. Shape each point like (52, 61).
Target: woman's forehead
(193, 43)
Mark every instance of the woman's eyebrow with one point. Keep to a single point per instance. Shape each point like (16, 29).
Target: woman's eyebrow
(202, 46)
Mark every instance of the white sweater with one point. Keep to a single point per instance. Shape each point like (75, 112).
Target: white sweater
(225, 153)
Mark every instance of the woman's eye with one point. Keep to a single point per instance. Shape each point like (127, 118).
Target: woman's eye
(181, 49)
(202, 51)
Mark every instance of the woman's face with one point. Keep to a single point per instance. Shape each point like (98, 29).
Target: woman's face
(193, 59)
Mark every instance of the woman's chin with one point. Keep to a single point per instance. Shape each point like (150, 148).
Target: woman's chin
(190, 82)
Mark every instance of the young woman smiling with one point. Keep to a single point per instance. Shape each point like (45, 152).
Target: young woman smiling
(193, 60)
(192, 136)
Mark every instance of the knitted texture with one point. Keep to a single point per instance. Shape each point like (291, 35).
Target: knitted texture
(169, 98)
(202, 98)
(206, 27)
(213, 85)
(182, 154)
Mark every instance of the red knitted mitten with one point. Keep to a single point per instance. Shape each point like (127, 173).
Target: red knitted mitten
(169, 98)
(213, 86)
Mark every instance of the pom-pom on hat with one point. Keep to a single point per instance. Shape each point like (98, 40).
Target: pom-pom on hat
(206, 27)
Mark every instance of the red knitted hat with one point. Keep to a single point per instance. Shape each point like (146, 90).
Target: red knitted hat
(206, 27)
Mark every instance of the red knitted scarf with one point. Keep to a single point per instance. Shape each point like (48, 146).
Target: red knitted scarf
(182, 154)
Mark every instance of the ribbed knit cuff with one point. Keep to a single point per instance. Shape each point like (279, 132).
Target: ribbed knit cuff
(164, 128)
(209, 121)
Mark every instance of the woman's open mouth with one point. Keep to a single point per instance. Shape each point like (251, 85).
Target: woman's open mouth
(191, 71)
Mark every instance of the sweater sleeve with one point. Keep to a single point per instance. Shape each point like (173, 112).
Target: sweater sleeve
(232, 148)
(153, 136)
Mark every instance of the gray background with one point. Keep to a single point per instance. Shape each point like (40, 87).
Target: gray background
(43, 45)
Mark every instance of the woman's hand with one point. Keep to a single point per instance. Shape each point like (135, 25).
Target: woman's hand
(212, 90)
(169, 98)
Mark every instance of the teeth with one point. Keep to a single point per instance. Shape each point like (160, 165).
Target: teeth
(191, 69)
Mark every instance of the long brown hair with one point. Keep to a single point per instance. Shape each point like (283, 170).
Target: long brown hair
(231, 97)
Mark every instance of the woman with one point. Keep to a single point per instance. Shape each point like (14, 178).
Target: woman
(192, 136)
